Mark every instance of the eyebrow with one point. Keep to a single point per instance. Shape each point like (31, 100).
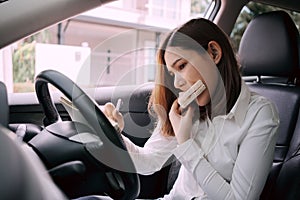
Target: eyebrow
(176, 61)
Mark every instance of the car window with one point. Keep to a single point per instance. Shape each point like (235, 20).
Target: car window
(246, 15)
(111, 45)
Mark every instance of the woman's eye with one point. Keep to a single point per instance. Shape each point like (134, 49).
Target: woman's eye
(182, 66)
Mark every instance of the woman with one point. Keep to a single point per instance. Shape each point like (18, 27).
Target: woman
(225, 140)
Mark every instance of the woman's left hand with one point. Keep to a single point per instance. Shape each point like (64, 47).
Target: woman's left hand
(181, 122)
(112, 113)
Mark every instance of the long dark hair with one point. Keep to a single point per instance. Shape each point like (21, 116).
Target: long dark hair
(201, 31)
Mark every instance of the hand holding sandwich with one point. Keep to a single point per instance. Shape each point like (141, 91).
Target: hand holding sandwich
(182, 111)
(181, 122)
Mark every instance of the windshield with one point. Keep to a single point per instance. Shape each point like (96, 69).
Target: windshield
(111, 45)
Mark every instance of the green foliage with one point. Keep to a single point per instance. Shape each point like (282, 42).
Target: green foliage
(24, 57)
(24, 63)
(199, 6)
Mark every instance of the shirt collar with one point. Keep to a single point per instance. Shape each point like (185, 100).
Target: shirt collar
(239, 109)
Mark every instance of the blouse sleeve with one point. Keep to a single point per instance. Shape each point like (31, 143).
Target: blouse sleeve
(252, 164)
(155, 153)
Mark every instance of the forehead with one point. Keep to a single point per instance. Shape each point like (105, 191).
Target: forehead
(174, 53)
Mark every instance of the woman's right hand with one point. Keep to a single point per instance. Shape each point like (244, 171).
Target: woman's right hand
(112, 113)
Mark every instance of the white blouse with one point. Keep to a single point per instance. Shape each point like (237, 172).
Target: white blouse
(228, 157)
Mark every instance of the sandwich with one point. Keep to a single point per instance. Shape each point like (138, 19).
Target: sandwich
(187, 97)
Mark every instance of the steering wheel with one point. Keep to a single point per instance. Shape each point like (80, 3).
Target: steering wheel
(109, 150)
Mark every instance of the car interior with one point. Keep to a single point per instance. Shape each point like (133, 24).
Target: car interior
(278, 58)
(57, 166)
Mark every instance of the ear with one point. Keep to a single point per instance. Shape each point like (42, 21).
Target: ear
(215, 51)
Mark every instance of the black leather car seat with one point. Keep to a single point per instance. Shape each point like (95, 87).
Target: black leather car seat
(269, 48)
(23, 175)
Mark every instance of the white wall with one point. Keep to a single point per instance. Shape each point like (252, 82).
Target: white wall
(73, 61)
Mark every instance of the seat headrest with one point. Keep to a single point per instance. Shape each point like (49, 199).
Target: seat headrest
(269, 46)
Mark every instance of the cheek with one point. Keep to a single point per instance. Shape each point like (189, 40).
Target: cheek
(192, 75)
(209, 74)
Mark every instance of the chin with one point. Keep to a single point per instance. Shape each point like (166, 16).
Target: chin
(202, 100)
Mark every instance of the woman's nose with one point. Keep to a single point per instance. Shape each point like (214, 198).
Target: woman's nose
(179, 82)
